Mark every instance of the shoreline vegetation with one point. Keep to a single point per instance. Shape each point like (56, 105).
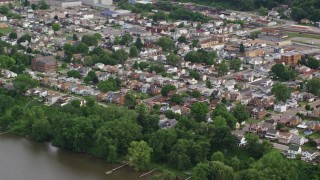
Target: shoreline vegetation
(117, 134)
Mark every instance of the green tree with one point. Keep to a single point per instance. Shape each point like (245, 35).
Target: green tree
(208, 84)
(195, 94)
(43, 5)
(283, 73)
(34, 6)
(167, 88)
(281, 91)
(24, 38)
(160, 15)
(240, 113)
(221, 110)
(130, 101)
(120, 55)
(112, 84)
(313, 86)
(139, 43)
(234, 162)
(276, 163)
(6, 62)
(195, 43)
(182, 39)
(75, 37)
(176, 98)
(172, 59)
(219, 121)
(241, 48)
(199, 111)
(139, 155)
(166, 43)
(74, 73)
(222, 69)
(4, 10)
(212, 170)
(98, 36)
(235, 64)
(13, 35)
(126, 39)
(41, 129)
(307, 107)
(263, 11)
(82, 48)
(134, 52)
(89, 40)
(217, 156)
(23, 82)
(161, 142)
(69, 49)
(255, 147)
(91, 77)
(313, 63)
(56, 26)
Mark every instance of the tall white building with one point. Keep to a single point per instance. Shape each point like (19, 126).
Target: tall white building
(94, 2)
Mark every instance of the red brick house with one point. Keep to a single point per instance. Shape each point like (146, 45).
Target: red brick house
(44, 64)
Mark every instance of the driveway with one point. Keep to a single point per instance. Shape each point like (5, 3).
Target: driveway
(280, 146)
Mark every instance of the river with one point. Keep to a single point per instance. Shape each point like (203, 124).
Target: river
(25, 159)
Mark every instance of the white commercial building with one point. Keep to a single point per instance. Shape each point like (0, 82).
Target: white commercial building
(95, 2)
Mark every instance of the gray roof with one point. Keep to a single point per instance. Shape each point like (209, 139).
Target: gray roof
(293, 148)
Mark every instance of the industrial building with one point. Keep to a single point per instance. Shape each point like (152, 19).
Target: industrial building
(97, 2)
(75, 3)
(64, 3)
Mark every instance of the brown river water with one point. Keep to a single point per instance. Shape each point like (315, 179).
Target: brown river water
(25, 159)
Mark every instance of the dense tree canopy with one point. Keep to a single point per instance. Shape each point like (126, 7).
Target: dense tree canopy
(313, 86)
(167, 88)
(281, 91)
(166, 43)
(283, 73)
(201, 56)
(139, 155)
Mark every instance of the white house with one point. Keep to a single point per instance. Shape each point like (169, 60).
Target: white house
(308, 155)
(281, 107)
(293, 151)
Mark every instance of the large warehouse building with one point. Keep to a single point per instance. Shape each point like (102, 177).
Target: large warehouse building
(96, 2)
(74, 3)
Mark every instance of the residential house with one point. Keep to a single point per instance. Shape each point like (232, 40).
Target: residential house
(241, 141)
(176, 109)
(297, 140)
(281, 107)
(271, 134)
(295, 121)
(293, 151)
(167, 123)
(284, 137)
(258, 112)
(308, 155)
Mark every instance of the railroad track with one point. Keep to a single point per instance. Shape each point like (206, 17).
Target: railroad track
(297, 30)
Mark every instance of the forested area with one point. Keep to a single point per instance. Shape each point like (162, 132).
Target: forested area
(114, 133)
(300, 9)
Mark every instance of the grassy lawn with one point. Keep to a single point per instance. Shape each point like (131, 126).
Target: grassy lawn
(5, 30)
(312, 36)
(314, 136)
(139, 95)
(308, 146)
